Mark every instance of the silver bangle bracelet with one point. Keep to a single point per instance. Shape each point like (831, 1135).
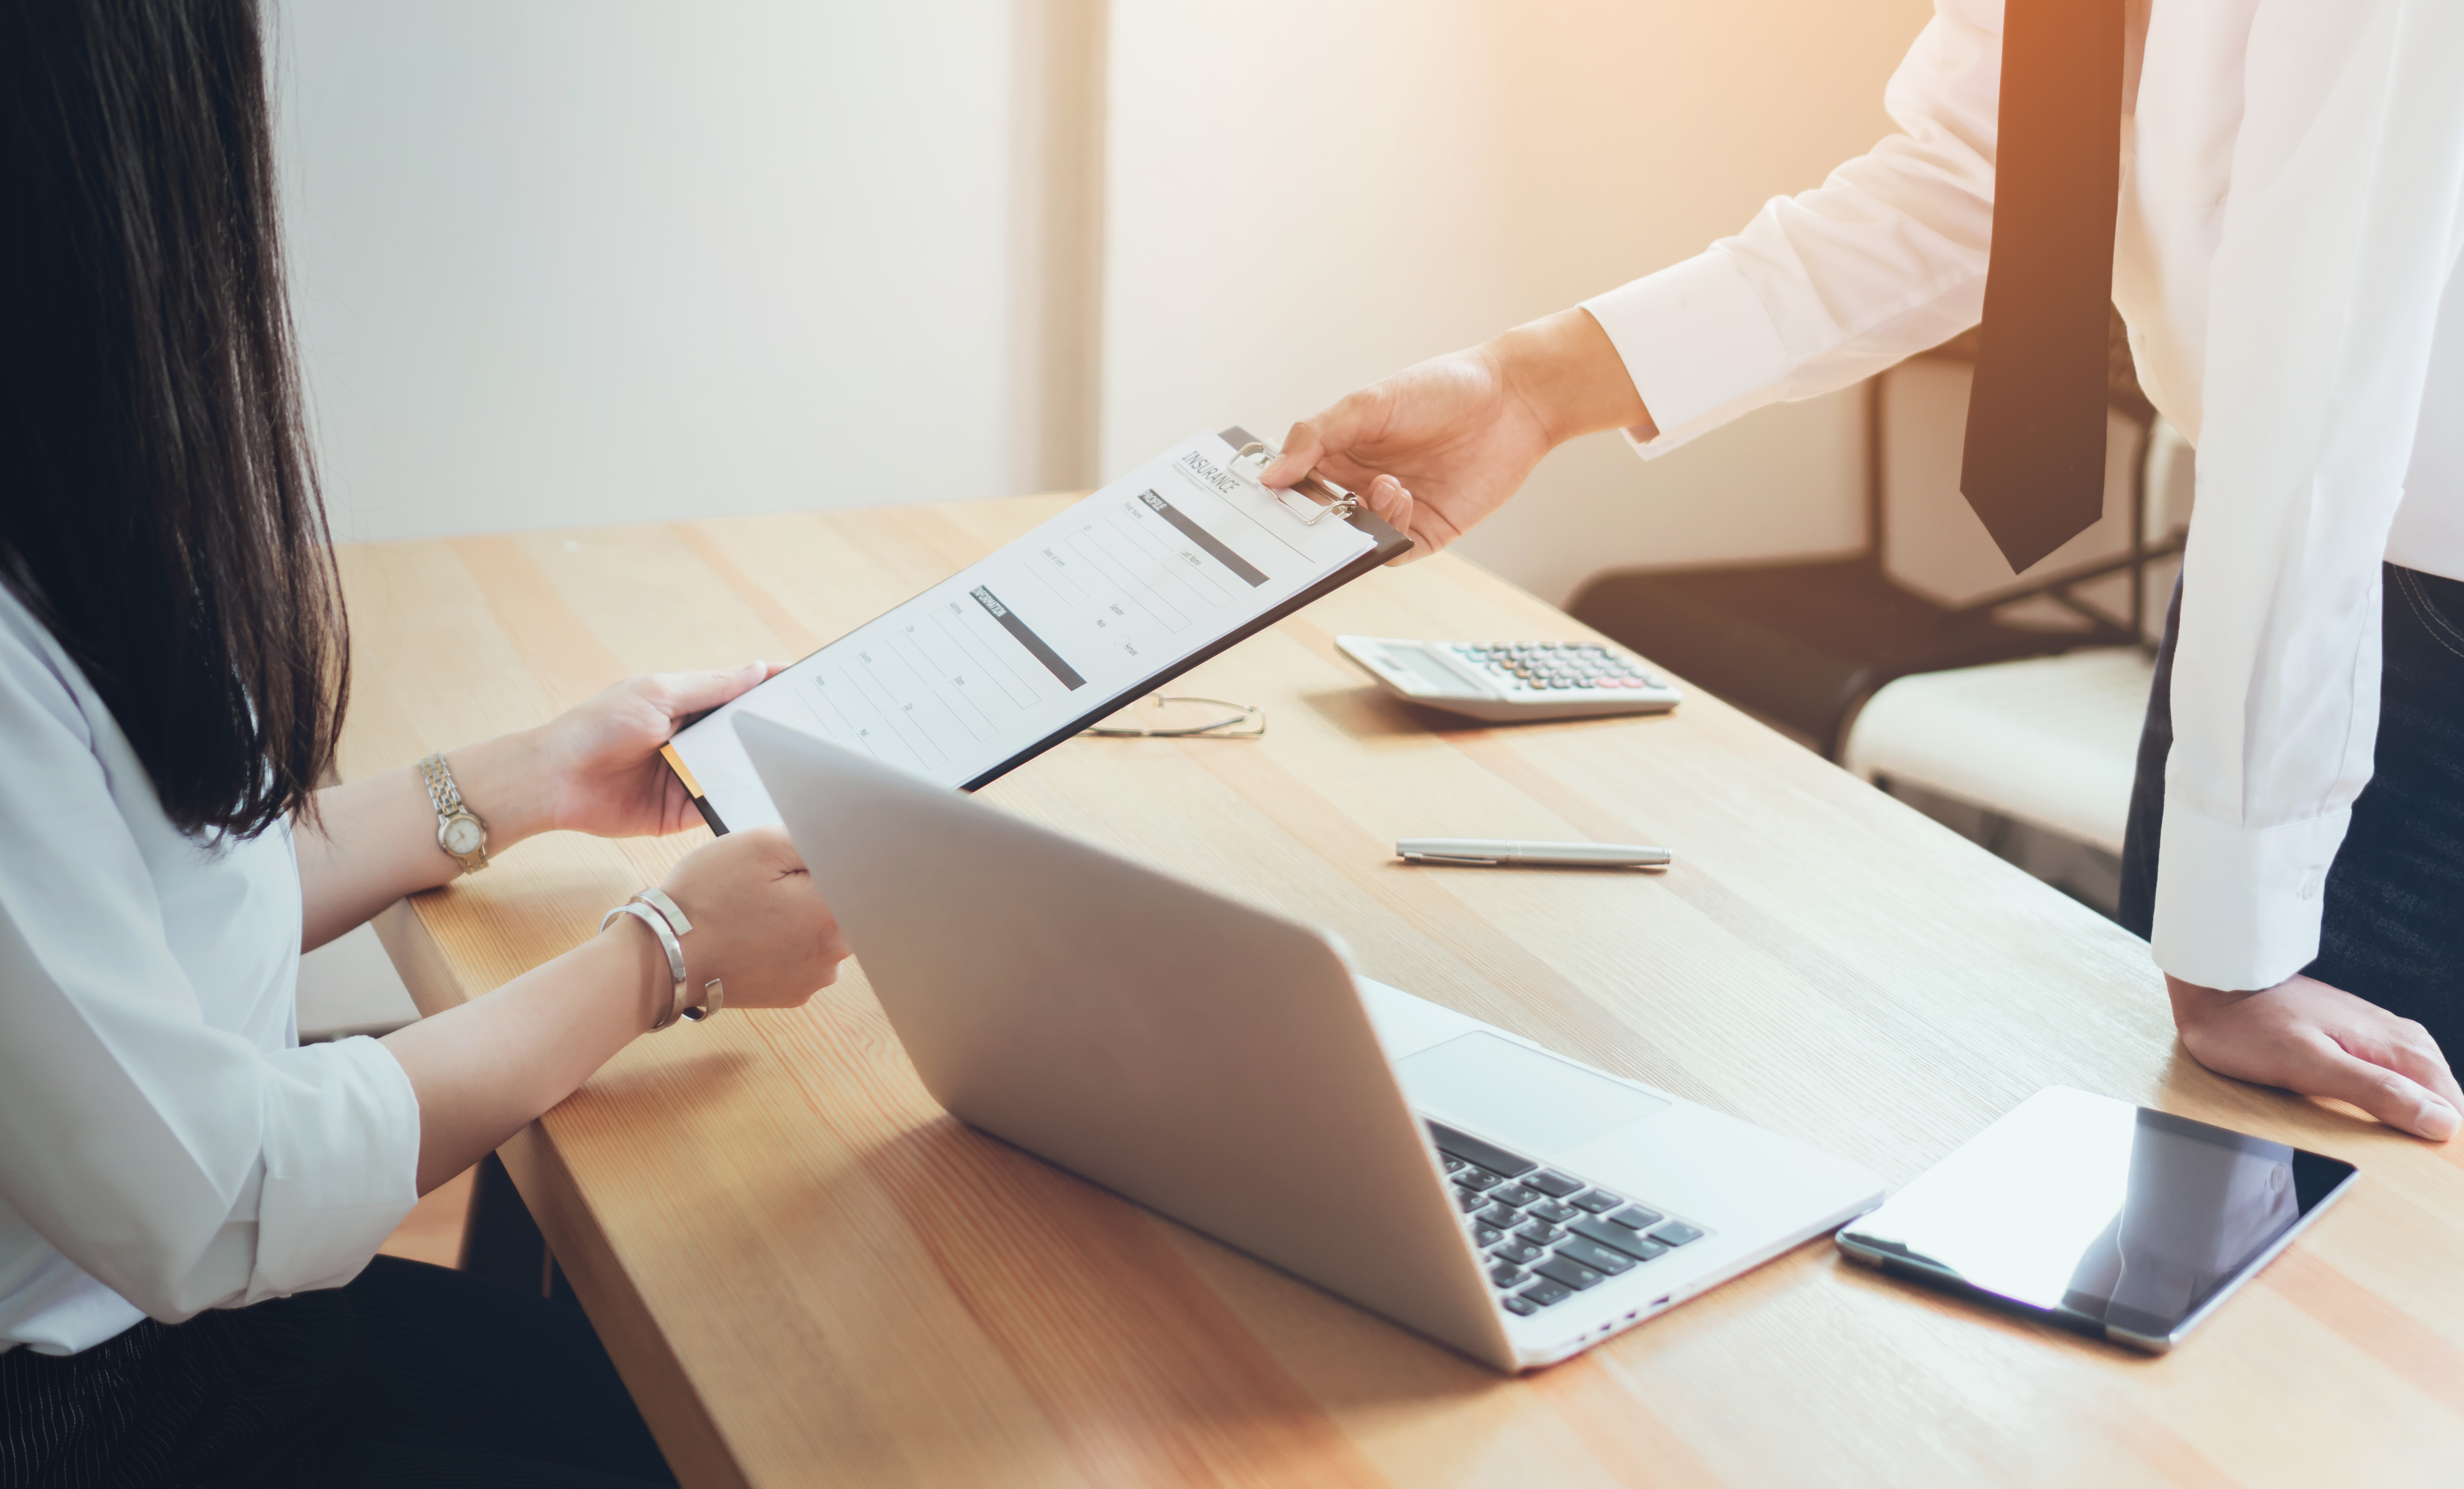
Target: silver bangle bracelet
(666, 921)
(668, 943)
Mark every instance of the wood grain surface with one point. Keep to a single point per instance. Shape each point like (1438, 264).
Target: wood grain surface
(811, 1275)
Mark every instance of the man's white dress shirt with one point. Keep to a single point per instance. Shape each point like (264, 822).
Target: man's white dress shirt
(164, 1145)
(2290, 177)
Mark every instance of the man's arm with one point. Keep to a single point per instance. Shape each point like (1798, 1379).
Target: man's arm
(1822, 289)
(2338, 247)
(2338, 242)
(1886, 258)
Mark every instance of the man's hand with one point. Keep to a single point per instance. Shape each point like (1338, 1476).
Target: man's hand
(1438, 446)
(2321, 1041)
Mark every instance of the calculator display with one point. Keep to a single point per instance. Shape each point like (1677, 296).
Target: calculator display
(1421, 667)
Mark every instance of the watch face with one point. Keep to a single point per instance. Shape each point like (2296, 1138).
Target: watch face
(462, 835)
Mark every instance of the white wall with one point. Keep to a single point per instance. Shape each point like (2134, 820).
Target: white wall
(576, 261)
(1302, 197)
(573, 261)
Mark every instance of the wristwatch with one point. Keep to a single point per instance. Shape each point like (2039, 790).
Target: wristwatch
(458, 831)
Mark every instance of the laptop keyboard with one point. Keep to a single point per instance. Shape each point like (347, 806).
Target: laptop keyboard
(1545, 1235)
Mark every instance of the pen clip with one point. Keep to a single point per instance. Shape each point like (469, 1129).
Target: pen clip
(1445, 858)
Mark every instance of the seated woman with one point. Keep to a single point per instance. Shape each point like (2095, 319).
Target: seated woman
(189, 1201)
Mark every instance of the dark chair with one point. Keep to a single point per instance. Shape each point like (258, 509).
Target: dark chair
(501, 1242)
(1806, 643)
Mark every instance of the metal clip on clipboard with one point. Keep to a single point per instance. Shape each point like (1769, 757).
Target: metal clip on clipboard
(1338, 502)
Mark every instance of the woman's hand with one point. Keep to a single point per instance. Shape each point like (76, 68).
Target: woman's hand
(758, 925)
(599, 769)
(1438, 447)
(595, 769)
(2321, 1041)
(483, 1069)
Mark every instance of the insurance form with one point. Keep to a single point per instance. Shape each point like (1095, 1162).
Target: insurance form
(1088, 612)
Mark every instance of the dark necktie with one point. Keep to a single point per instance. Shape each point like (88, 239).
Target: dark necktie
(2034, 467)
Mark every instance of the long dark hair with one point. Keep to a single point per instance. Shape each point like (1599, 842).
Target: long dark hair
(159, 511)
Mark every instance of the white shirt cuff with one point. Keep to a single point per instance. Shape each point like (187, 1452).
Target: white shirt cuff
(1699, 343)
(2238, 908)
(342, 1164)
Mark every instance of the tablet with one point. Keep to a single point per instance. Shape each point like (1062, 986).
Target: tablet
(1085, 613)
(2100, 1216)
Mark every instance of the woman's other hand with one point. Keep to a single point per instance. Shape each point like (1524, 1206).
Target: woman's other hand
(598, 764)
(2321, 1041)
(758, 924)
(1438, 446)
(483, 1069)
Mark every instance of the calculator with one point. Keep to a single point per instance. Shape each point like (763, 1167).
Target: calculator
(1507, 681)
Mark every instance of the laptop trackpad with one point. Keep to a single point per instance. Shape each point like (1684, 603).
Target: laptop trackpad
(1518, 1095)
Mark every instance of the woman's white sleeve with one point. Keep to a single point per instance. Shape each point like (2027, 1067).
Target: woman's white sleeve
(178, 1164)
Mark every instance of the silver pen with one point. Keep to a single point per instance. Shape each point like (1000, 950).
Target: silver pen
(1494, 852)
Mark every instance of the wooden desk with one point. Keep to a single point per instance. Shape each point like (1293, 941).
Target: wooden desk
(811, 1275)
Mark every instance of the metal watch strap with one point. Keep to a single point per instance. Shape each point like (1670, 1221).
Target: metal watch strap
(446, 798)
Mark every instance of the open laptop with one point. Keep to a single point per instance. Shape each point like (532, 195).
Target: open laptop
(1224, 1066)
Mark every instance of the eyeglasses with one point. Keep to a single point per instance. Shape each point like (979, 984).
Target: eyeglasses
(1167, 715)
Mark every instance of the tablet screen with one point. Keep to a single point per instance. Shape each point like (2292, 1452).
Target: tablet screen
(2101, 1212)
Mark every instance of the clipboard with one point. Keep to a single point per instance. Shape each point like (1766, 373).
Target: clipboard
(1163, 544)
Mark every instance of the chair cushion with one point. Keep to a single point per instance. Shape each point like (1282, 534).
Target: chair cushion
(2052, 741)
(1799, 642)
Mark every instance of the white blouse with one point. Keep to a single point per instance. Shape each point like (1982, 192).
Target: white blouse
(2292, 175)
(166, 1146)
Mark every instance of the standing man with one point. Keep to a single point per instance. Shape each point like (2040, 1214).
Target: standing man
(2269, 191)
